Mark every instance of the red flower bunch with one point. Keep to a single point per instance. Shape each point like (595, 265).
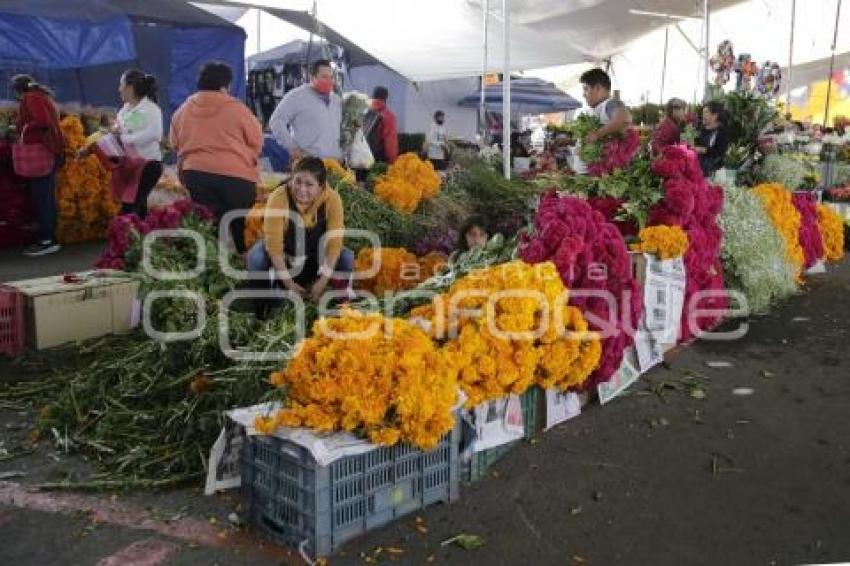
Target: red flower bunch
(617, 153)
(693, 204)
(124, 230)
(810, 236)
(610, 207)
(591, 256)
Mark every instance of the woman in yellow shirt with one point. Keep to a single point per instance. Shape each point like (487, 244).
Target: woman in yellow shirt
(303, 234)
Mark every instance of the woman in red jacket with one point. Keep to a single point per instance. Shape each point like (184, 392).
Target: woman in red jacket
(40, 116)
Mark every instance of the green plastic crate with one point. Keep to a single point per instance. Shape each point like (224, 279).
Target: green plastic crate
(532, 415)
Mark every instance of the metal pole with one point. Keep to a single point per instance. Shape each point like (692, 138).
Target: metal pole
(506, 91)
(831, 64)
(790, 58)
(706, 46)
(482, 110)
(664, 65)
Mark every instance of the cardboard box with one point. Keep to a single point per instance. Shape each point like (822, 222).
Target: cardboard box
(56, 312)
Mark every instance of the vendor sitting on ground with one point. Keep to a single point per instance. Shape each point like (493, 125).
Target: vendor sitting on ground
(316, 209)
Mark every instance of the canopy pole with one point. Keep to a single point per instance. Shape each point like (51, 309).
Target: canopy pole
(831, 64)
(706, 13)
(482, 109)
(790, 59)
(664, 65)
(506, 91)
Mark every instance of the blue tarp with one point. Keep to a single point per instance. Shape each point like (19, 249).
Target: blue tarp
(80, 48)
(64, 44)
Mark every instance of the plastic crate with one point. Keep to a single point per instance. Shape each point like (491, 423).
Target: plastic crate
(11, 321)
(300, 504)
(532, 415)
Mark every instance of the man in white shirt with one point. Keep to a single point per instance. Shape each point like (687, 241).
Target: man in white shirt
(307, 121)
(437, 142)
(612, 113)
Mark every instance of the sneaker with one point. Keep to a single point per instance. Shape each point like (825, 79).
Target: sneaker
(42, 248)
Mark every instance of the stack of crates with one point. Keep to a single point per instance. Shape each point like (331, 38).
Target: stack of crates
(298, 503)
(533, 416)
(11, 321)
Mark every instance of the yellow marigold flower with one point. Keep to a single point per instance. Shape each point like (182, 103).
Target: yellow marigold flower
(666, 242)
(832, 231)
(82, 188)
(407, 182)
(785, 217)
(338, 173)
(391, 387)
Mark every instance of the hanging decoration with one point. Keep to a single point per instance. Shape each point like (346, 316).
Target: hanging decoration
(769, 78)
(723, 62)
(746, 69)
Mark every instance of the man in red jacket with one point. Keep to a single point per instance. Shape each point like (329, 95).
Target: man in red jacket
(380, 128)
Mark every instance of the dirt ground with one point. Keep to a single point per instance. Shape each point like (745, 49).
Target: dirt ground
(664, 475)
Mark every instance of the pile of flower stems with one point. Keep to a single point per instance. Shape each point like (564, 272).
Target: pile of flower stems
(148, 412)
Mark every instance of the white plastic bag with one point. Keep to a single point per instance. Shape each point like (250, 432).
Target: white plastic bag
(360, 156)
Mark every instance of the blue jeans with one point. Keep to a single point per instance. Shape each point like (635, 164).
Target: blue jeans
(43, 195)
(258, 260)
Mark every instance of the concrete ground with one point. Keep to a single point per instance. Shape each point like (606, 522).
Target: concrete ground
(662, 476)
(15, 266)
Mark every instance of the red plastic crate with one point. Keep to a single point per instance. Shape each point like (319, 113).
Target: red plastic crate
(11, 321)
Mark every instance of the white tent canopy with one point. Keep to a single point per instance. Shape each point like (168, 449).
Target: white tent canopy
(441, 39)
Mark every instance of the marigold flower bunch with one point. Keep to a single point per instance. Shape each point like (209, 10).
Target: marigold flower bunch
(387, 381)
(398, 269)
(666, 242)
(832, 231)
(337, 173)
(407, 182)
(786, 219)
(509, 327)
(83, 195)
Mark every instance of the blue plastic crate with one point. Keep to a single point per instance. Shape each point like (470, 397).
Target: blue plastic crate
(294, 501)
(532, 414)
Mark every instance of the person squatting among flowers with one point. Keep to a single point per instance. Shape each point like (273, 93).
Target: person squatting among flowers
(315, 210)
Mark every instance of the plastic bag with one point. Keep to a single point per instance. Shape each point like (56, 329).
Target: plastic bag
(360, 156)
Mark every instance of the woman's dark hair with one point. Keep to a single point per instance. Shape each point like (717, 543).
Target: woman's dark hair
(716, 107)
(476, 220)
(312, 165)
(314, 68)
(24, 83)
(675, 104)
(439, 113)
(143, 85)
(215, 75)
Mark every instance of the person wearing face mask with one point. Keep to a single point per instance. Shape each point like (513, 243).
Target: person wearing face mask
(307, 121)
(437, 142)
(218, 143)
(304, 209)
